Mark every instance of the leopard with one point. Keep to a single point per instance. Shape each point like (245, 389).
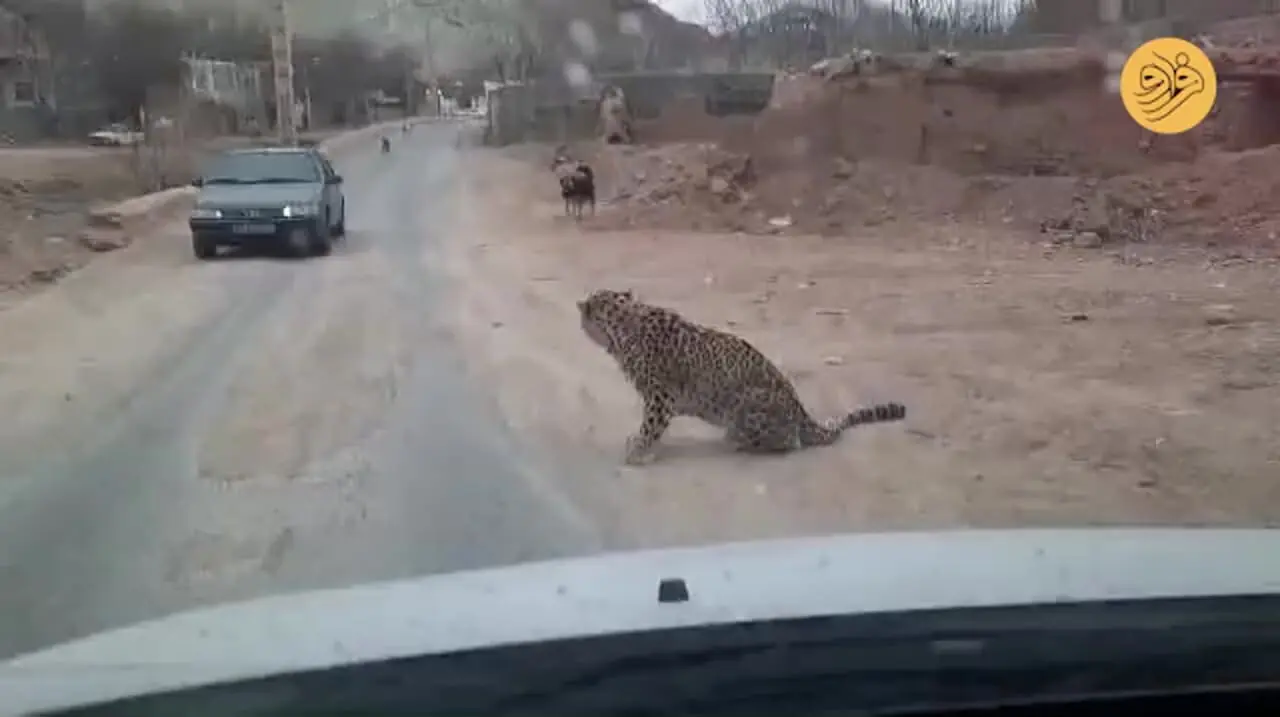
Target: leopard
(681, 368)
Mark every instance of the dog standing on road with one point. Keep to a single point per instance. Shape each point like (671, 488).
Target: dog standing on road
(577, 185)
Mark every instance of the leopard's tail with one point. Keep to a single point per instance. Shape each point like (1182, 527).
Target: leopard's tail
(827, 432)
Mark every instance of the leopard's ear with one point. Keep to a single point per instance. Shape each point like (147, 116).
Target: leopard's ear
(629, 295)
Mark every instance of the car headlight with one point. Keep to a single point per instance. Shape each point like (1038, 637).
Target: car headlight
(300, 210)
(204, 213)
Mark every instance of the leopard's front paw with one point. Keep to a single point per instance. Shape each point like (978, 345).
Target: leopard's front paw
(639, 452)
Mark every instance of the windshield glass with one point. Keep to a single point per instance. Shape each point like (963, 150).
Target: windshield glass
(261, 167)
(625, 276)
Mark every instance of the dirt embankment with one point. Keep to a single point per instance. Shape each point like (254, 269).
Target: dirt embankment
(44, 197)
(1076, 316)
(1030, 140)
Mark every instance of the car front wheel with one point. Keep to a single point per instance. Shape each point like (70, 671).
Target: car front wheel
(299, 241)
(203, 248)
(340, 229)
(322, 242)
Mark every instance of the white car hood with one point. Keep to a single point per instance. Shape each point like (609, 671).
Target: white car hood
(617, 592)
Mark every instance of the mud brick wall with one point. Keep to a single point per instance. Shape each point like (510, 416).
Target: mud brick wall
(554, 112)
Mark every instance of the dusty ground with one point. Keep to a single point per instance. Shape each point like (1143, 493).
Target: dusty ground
(179, 433)
(44, 195)
(1045, 385)
(63, 362)
(1078, 316)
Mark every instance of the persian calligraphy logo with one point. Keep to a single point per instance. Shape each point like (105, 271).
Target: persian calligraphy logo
(1168, 85)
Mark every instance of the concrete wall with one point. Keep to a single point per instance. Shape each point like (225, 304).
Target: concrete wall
(23, 124)
(554, 112)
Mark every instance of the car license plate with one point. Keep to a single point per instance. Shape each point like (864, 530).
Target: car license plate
(254, 228)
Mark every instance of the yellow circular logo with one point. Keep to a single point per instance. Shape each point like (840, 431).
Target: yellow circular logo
(1168, 85)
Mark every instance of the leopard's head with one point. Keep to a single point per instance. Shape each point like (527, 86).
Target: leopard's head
(604, 315)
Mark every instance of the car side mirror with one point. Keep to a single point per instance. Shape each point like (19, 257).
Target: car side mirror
(197, 182)
(335, 179)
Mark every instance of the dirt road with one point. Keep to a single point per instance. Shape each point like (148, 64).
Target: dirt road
(183, 433)
(1044, 387)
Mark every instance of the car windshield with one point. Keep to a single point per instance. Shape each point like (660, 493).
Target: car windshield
(644, 274)
(261, 168)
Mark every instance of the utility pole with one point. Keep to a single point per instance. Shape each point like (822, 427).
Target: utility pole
(282, 73)
(428, 57)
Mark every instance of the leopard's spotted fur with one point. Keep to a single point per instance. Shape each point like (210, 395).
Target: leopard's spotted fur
(681, 368)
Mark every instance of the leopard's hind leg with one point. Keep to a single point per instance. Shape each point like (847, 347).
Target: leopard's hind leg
(761, 426)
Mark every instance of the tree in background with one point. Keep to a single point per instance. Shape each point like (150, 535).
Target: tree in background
(505, 36)
(750, 31)
(517, 40)
(136, 48)
(338, 73)
(334, 72)
(224, 35)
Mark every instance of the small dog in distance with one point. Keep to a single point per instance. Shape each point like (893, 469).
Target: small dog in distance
(577, 185)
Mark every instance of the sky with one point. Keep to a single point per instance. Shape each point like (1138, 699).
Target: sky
(687, 10)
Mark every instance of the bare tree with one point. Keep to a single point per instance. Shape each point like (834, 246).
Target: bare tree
(523, 39)
(340, 71)
(334, 72)
(977, 20)
(222, 35)
(729, 17)
(512, 37)
(732, 21)
(503, 34)
(844, 16)
(779, 32)
(392, 72)
(773, 31)
(62, 23)
(919, 19)
(136, 48)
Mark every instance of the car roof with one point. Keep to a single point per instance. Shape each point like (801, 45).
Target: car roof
(271, 150)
